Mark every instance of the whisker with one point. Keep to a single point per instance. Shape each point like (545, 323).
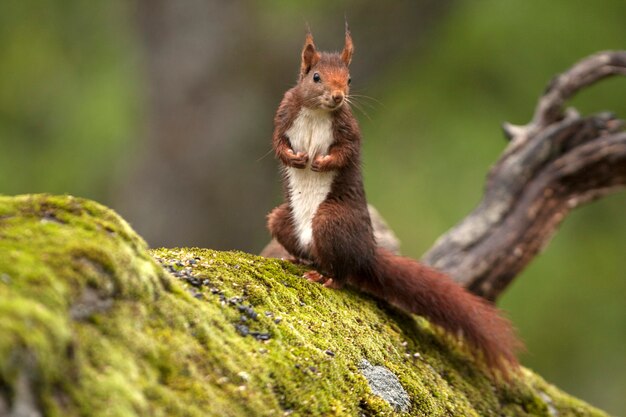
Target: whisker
(358, 100)
(366, 97)
(310, 100)
(265, 155)
(358, 107)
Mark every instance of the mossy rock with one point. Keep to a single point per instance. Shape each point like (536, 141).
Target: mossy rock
(92, 323)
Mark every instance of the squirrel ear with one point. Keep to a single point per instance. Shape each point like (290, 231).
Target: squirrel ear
(310, 56)
(348, 49)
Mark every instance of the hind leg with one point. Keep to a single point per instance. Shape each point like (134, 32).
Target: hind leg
(281, 228)
(343, 242)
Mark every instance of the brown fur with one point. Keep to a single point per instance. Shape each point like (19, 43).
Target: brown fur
(424, 291)
(343, 246)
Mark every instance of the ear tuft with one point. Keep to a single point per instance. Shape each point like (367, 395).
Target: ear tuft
(348, 49)
(310, 56)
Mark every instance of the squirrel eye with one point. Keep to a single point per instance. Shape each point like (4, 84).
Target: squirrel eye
(349, 81)
(317, 78)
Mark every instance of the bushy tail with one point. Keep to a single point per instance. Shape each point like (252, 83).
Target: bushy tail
(424, 291)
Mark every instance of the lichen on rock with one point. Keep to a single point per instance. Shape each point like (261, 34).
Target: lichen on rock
(92, 323)
(386, 385)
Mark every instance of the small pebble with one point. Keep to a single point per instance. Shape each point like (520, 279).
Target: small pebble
(248, 311)
(261, 336)
(235, 300)
(242, 329)
(194, 281)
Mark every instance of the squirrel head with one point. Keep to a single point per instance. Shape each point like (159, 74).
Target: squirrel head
(325, 77)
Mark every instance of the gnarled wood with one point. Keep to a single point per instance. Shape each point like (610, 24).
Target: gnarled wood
(558, 161)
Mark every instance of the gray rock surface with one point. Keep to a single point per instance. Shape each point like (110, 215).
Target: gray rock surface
(386, 385)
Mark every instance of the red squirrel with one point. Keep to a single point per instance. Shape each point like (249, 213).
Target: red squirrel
(325, 222)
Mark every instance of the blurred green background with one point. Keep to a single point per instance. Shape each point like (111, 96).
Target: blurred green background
(163, 111)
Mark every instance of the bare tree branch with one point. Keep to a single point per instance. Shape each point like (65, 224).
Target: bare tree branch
(557, 162)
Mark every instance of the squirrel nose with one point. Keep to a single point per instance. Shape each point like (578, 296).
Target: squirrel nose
(338, 97)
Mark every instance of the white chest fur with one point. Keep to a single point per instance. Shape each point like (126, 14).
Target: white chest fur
(310, 133)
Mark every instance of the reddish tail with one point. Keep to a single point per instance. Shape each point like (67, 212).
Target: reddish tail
(426, 292)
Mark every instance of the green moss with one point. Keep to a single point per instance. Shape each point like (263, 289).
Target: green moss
(96, 327)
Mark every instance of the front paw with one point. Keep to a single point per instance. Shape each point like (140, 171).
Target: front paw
(321, 163)
(296, 160)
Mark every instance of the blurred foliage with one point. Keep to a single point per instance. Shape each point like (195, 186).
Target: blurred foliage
(68, 102)
(70, 116)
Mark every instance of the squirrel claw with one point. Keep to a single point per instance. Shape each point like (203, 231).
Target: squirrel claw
(297, 160)
(314, 276)
(319, 164)
(327, 282)
(331, 283)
